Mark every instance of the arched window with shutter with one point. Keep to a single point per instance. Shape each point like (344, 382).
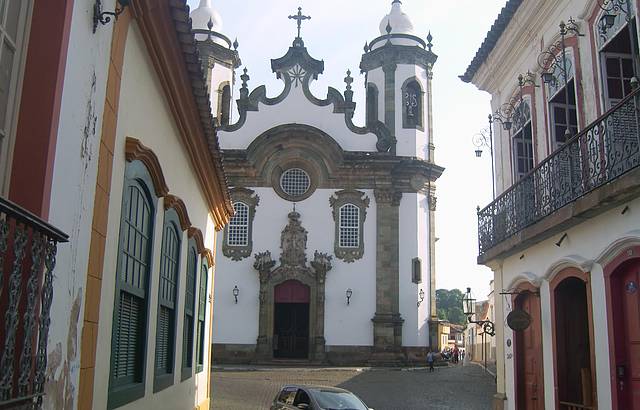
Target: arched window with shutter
(202, 311)
(237, 241)
(349, 214)
(189, 309)
(412, 104)
(225, 105)
(349, 226)
(130, 316)
(167, 295)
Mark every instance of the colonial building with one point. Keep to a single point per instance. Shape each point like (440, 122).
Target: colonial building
(562, 237)
(112, 191)
(330, 255)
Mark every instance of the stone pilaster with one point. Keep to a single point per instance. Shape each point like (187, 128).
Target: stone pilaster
(433, 320)
(387, 322)
(390, 99)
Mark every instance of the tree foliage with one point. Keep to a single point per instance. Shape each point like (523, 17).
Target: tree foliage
(449, 303)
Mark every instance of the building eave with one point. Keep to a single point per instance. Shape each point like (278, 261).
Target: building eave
(166, 28)
(490, 41)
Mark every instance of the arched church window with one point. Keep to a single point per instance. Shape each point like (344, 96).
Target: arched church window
(349, 226)
(225, 105)
(349, 214)
(295, 182)
(412, 106)
(372, 104)
(238, 243)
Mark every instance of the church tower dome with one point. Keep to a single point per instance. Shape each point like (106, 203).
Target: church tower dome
(201, 16)
(398, 20)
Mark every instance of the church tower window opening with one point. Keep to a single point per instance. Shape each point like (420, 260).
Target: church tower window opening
(372, 104)
(412, 105)
(225, 105)
(349, 226)
(238, 233)
(295, 182)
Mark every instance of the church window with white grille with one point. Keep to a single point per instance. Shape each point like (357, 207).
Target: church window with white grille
(349, 226)
(239, 226)
(295, 182)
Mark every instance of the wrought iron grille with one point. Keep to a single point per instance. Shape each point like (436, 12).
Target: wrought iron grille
(27, 258)
(602, 152)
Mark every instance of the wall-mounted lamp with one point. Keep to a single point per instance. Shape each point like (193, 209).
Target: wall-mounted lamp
(349, 293)
(420, 297)
(104, 17)
(236, 292)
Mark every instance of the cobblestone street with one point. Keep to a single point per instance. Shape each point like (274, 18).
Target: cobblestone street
(456, 387)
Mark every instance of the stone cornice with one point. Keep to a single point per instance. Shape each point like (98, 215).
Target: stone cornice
(387, 196)
(166, 29)
(136, 151)
(396, 54)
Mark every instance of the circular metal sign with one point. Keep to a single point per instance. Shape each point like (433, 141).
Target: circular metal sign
(518, 320)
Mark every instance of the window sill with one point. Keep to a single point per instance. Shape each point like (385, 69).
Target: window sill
(122, 395)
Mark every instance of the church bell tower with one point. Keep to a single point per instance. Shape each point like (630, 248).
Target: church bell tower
(398, 67)
(219, 57)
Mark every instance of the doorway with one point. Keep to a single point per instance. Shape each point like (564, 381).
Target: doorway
(528, 355)
(625, 289)
(291, 320)
(574, 372)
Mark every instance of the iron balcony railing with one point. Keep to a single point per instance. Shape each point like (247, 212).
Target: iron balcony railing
(602, 152)
(28, 248)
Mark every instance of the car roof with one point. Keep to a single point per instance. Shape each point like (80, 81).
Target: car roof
(317, 387)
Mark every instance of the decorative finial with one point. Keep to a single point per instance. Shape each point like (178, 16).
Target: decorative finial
(388, 28)
(396, 1)
(348, 94)
(210, 24)
(366, 47)
(429, 39)
(244, 90)
(235, 44)
(300, 18)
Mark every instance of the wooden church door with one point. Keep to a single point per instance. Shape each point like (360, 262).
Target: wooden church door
(291, 320)
(626, 300)
(528, 351)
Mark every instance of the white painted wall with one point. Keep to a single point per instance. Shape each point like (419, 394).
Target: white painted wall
(583, 248)
(72, 195)
(297, 109)
(141, 97)
(414, 242)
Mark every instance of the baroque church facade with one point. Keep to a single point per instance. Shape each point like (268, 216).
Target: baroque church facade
(330, 255)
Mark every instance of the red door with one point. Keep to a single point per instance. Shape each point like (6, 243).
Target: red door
(626, 299)
(528, 351)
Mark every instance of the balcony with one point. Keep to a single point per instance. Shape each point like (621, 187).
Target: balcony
(591, 172)
(28, 248)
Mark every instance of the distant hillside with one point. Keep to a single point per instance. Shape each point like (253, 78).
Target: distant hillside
(449, 304)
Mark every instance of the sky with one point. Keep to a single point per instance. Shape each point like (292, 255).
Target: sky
(336, 33)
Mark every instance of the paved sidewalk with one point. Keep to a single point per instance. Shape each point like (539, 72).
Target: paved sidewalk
(449, 388)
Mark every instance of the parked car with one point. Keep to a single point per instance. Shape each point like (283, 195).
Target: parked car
(316, 398)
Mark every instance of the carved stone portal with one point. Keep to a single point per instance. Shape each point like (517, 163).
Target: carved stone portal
(293, 266)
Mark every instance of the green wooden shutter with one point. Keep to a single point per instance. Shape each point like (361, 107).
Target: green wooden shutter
(187, 336)
(202, 306)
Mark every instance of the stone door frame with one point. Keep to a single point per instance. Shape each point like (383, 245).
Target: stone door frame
(268, 283)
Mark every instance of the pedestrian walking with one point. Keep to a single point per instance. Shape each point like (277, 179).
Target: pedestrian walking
(430, 360)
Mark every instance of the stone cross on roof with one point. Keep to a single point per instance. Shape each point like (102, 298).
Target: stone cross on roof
(300, 18)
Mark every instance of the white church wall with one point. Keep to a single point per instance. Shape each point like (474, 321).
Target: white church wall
(414, 241)
(72, 196)
(582, 248)
(351, 325)
(140, 83)
(411, 142)
(296, 108)
(238, 323)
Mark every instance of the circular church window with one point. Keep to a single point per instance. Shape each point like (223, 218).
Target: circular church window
(295, 182)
